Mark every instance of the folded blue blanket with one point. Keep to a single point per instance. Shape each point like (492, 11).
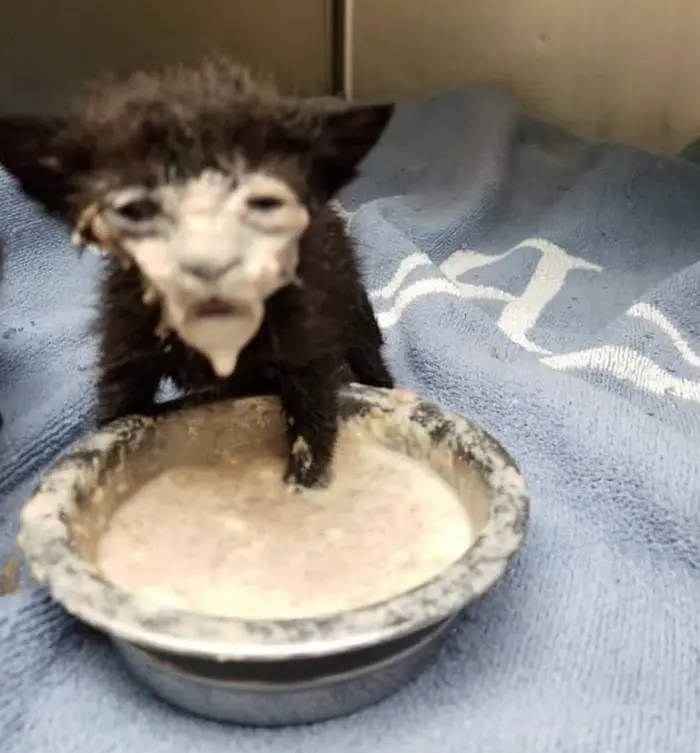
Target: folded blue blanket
(548, 289)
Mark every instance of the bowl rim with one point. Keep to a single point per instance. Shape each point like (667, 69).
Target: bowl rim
(77, 586)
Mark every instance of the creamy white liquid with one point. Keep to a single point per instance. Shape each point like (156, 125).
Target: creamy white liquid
(233, 540)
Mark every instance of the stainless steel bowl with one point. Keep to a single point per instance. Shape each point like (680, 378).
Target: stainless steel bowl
(271, 672)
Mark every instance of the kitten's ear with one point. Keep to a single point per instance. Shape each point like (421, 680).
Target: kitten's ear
(348, 134)
(31, 151)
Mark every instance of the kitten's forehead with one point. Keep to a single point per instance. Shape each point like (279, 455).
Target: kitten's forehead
(209, 160)
(206, 192)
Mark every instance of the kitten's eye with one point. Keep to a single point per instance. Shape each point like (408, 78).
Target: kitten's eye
(139, 210)
(264, 203)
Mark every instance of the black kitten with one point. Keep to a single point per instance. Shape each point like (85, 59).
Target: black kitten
(228, 270)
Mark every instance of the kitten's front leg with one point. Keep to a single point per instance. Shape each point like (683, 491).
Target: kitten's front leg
(131, 361)
(368, 367)
(309, 397)
(365, 354)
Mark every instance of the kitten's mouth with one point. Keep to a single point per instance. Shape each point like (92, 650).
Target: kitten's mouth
(213, 307)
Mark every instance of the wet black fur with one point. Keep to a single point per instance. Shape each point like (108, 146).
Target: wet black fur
(316, 334)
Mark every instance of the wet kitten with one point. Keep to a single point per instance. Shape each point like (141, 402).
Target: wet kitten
(227, 271)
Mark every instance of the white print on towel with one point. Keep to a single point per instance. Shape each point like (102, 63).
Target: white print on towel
(521, 313)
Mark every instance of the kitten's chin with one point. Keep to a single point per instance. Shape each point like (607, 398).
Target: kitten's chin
(218, 332)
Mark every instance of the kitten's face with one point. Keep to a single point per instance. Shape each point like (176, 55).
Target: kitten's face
(212, 248)
(201, 178)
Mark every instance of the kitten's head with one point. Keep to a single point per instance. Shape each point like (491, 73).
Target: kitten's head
(203, 178)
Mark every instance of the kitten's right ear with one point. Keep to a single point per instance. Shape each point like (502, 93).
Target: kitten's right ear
(348, 133)
(32, 152)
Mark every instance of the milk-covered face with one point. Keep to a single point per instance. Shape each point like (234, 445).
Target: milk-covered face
(212, 248)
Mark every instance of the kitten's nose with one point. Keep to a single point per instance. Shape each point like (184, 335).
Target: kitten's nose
(208, 272)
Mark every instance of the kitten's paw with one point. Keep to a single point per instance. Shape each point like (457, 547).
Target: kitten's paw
(298, 480)
(304, 469)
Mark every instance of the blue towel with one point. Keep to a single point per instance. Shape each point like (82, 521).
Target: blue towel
(546, 288)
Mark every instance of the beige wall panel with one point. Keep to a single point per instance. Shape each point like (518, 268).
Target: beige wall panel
(626, 70)
(48, 49)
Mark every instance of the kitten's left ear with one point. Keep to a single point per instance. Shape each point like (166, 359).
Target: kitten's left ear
(348, 134)
(30, 151)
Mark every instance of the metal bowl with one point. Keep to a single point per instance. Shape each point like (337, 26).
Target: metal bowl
(271, 672)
